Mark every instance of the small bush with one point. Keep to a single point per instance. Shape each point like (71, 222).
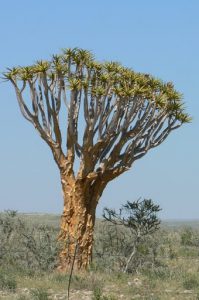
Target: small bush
(187, 237)
(39, 294)
(172, 252)
(158, 273)
(191, 283)
(88, 283)
(98, 295)
(27, 247)
(58, 277)
(7, 283)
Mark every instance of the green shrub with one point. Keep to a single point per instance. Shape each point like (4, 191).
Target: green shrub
(98, 295)
(39, 294)
(7, 282)
(30, 248)
(113, 245)
(131, 233)
(89, 282)
(161, 272)
(172, 252)
(187, 236)
(58, 277)
(191, 283)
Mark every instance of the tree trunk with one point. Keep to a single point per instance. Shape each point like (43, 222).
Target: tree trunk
(77, 222)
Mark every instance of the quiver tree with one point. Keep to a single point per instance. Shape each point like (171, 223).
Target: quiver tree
(112, 117)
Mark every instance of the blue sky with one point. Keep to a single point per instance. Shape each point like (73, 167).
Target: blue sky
(157, 37)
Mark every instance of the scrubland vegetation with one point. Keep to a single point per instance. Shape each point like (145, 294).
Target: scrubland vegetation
(164, 266)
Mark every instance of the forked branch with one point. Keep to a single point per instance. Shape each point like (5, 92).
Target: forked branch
(114, 115)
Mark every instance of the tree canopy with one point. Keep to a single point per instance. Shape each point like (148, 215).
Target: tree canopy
(124, 113)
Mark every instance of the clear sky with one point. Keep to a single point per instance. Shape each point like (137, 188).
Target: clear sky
(157, 37)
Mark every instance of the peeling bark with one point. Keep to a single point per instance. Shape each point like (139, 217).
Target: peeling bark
(77, 222)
